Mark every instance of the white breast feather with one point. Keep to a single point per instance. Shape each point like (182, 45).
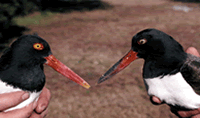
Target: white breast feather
(174, 90)
(4, 88)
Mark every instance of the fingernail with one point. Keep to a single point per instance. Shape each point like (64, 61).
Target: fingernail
(43, 106)
(25, 95)
(34, 104)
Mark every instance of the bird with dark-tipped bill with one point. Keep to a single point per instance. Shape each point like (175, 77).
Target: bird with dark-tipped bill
(168, 72)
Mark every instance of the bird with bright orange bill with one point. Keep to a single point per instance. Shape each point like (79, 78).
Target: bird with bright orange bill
(21, 68)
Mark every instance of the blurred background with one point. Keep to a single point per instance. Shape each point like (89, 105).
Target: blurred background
(89, 36)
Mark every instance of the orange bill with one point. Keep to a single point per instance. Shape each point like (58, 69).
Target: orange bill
(64, 70)
(120, 65)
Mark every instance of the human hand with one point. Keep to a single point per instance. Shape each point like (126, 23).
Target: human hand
(42, 104)
(190, 113)
(33, 110)
(8, 100)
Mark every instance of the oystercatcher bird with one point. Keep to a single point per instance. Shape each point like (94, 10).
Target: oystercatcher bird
(21, 68)
(168, 72)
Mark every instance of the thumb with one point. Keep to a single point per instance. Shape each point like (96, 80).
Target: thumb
(155, 100)
(193, 51)
(24, 112)
(8, 100)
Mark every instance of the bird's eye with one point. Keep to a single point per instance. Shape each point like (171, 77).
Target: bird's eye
(142, 41)
(38, 46)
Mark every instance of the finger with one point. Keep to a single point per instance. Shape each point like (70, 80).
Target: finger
(188, 113)
(193, 51)
(155, 100)
(43, 100)
(36, 115)
(8, 100)
(196, 116)
(24, 112)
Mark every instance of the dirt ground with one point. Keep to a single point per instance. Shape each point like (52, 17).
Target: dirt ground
(90, 42)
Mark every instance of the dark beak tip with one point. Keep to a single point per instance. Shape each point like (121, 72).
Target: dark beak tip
(101, 79)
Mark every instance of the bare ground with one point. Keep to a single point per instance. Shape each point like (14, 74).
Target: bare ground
(90, 42)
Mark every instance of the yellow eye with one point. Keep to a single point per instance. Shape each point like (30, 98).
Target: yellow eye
(38, 46)
(142, 41)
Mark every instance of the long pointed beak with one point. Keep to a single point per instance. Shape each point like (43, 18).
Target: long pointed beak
(120, 65)
(64, 70)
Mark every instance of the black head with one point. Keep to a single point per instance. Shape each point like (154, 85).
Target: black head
(152, 43)
(162, 54)
(30, 48)
(22, 64)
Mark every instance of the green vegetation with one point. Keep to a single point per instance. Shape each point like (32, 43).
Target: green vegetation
(13, 8)
(39, 19)
(12, 12)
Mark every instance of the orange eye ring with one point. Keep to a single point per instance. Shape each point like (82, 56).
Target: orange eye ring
(38, 46)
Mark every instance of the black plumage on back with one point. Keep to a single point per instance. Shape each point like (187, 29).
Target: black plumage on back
(191, 72)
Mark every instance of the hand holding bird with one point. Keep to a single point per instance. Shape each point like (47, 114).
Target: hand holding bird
(21, 69)
(169, 73)
(36, 110)
(191, 113)
(8, 100)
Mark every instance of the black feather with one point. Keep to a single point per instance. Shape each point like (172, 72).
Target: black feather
(21, 65)
(191, 72)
